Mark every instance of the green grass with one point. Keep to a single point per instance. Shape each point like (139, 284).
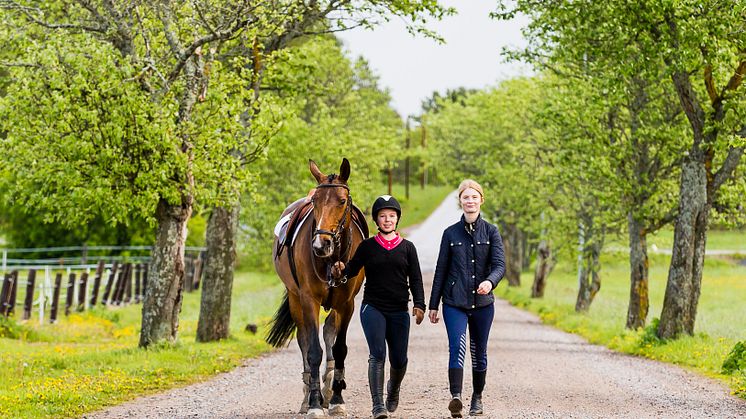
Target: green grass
(720, 324)
(88, 361)
(716, 240)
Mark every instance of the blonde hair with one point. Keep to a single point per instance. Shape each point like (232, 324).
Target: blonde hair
(469, 183)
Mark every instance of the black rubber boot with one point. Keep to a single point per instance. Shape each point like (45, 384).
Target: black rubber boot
(478, 379)
(375, 382)
(455, 382)
(392, 388)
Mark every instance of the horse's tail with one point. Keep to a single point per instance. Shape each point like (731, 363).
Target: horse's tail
(283, 325)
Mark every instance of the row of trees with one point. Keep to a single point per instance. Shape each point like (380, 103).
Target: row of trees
(154, 110)
(635, 121)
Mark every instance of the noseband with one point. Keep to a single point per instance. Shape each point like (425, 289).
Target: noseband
(336, 235)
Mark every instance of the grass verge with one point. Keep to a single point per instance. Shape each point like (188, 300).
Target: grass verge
(90, 360)
(721, 314)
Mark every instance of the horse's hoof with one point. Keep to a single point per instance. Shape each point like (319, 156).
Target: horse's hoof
(315, 413)
(337, 410)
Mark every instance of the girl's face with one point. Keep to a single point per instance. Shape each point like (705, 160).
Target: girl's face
(471, 201)
(386, 220)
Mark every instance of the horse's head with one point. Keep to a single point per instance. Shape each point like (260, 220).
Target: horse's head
(331, 209)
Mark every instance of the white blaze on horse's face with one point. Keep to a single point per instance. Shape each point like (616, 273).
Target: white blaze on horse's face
(329, 208)
(329, 211)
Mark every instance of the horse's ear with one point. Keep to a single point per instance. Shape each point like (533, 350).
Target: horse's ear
(344, 170)
(315, 171)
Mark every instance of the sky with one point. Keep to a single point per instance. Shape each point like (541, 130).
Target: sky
(412, 68)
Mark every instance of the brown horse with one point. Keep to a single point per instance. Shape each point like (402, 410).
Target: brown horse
(329, 234)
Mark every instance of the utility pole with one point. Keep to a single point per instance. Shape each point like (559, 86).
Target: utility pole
(406, 160)
(423, 144)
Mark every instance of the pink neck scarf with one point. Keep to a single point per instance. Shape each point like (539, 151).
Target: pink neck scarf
(388, 244)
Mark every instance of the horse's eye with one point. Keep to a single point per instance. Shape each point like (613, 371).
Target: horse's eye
(343, 201)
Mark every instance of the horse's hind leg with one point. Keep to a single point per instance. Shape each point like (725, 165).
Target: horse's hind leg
(330, 334)
(339, 351)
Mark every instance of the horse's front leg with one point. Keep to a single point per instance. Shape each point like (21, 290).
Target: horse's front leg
(337, 403)
(313, 358)
(330, 334)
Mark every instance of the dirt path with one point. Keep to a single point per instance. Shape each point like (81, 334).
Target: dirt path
(535, 371)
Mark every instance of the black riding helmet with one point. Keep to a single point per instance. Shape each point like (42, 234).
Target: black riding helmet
(384, 202)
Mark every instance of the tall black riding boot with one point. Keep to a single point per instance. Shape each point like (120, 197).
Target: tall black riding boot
(393, 386)
(478, 380)
(375, 382)
(455, 382)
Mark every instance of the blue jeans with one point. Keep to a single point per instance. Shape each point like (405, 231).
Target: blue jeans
(479, 321)
(381, 328)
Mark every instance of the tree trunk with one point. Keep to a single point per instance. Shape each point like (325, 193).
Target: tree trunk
(513, 244)
(637, 312)
(215, 303)
(162, 303)
(544, 266)
(589, 267)
(687, 260)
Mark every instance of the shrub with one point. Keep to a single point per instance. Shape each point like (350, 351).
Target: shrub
(736, 359)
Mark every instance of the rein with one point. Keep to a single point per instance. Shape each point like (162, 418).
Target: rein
(336, 238)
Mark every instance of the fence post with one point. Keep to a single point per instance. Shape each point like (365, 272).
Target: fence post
(13, 293)
(55, 297)
(128, 284)
(198, 270)
(70, 293)
(146, 267)
(97, 282)
(29, 302)
(116, 296)
(188, 274)
(109, 283)
(138, 272)
(4, 295)
(82, 291)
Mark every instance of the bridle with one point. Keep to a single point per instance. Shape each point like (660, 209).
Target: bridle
(336, 235)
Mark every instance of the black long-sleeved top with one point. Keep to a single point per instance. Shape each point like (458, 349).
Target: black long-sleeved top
(386, 273)
(466, 260)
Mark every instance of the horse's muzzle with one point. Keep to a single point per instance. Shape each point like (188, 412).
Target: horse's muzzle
(323, 246)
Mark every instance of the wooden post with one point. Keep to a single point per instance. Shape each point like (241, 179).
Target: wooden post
(29, 302)
(188, 274)
(4, 294)
(116, 293)
(70, 293)
(109, 283)
(146, 266)
(138, 272)
(128, 285)
(198, 271)
(97, 282)
(13, 293)
(55, 297)
(81, 291)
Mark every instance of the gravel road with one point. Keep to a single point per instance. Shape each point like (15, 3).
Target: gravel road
(535, 371)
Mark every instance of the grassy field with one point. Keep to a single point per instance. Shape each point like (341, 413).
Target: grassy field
(720, 324)
(90, 360)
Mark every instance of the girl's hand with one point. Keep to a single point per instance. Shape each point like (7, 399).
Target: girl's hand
(484, 287)
(433, 315)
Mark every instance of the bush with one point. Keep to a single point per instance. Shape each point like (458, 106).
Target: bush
(11, 330)
(736, 360)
